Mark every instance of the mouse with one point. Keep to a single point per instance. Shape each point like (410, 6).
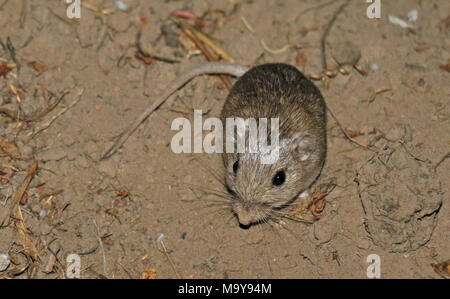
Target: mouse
(257, 191)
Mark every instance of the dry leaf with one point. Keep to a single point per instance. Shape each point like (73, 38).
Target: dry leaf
(38, 67)
(300, 59)
(445, 67)
(353, 133)
(149, 274)
(4, 69)
(146, 60)
(443, 269)
(10, 148)
(23, 201)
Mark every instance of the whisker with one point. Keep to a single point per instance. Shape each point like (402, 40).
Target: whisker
(213, 172)
(266, 221)
(222, 193)
(186, 185)
(230, 218)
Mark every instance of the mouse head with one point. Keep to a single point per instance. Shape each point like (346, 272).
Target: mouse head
(258, 191)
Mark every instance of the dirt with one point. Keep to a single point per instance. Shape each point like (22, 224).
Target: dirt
(72, 87)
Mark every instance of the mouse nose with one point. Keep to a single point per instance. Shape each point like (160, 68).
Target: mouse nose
(244, 214)
(244, 219)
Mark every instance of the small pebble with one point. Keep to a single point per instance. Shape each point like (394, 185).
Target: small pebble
(346, 53)
(413, 15)
(397, 21)
(43, 213)
(170, 37)
(4, 261)
(122, 5)
(160, 238)
(374, 67)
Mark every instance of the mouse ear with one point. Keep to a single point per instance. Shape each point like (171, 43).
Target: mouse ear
(302, 146)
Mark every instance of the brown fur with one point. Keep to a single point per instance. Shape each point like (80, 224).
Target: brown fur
(275, 91)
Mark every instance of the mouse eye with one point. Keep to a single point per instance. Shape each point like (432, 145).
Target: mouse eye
(235, 166)
(279, 178)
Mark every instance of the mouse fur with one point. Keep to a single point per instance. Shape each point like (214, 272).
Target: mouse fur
(275, 90)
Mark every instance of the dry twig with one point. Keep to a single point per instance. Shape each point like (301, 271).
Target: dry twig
(326, 31)
(16, 214)
(346, 133)
(64, 110)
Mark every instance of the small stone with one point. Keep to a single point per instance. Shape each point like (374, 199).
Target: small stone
(346, 52)
(170, 37)
(413, 15)
(4, 261)
(121, 5)
(43, 213)
(374, 67)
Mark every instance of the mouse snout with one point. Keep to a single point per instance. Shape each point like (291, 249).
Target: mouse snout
(247, 215)
(244, 219)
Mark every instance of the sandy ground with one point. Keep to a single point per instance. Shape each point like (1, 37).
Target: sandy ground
(392, 202)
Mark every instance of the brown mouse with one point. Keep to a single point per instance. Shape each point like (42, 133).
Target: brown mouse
(259, 191)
